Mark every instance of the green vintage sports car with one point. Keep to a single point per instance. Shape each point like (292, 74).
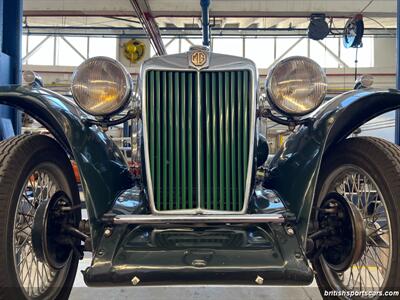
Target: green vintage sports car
(327, 206)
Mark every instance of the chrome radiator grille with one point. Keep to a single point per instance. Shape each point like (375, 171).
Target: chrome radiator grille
(198, 133)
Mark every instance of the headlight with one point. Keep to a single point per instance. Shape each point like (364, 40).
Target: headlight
(296, 86)
(101, 86)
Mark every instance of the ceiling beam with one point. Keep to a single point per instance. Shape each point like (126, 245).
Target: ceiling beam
(219, 8)
(250, 21)
(186, 32)
(284, 23)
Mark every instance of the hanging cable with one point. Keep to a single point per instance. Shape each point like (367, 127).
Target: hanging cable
(355, 65)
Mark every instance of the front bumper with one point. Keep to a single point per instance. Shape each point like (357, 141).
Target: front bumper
(199, 254)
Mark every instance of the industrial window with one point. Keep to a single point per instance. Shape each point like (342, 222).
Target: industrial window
(172, 45)
(72, 51)
(100, 46)
(65, 51)
(325, 52)
(230, 46)
(286, 47)
(329, 53)
(40, 50)
(260, 50)
(24, 45)
(187, 43)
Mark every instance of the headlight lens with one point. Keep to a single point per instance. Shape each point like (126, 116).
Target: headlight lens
(101, 86)
(296, 86)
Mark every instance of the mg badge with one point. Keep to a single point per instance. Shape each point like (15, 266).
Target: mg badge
(198, 58)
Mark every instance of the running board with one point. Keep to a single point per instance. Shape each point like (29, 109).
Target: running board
(193, 219)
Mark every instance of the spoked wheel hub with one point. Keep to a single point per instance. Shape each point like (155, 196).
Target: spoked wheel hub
(51, 242)
(344, 231)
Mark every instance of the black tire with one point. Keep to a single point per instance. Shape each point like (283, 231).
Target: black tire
(381, 161)
(19, 157)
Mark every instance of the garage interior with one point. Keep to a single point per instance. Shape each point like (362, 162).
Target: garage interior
(59, 35)
(53, 37)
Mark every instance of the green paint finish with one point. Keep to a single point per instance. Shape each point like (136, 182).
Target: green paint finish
(246, 117)
(198, 133)
(207, 157)
(171, 146)
(233, 108)
(190, 135)
(170, 143)
(103, 169)
(222, 139)
(151, 121)
(177, 124)
(157, 134)
(240, 134)
(227, 141)
(183, 137)
(199, 144)
(214, 104)
(164, 149)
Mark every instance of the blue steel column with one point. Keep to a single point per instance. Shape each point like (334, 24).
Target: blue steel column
(205, 21)
(10, 52)
(397, 127)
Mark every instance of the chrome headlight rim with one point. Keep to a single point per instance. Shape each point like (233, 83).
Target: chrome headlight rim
(268, 88)
(128, 84)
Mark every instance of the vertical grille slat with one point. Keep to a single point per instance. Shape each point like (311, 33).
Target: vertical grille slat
(246, 118)
(207, 158)
(221, 140)
(227, 141)
(183, 137)
(177, 147)
(239, 133)
(157, 136)
(164, 149)
(190, 136)
(151, 109)
(170, 201)
(233, 119)
(214, 157)
(198, 140)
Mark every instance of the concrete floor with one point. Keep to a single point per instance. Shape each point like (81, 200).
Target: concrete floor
(80, 291)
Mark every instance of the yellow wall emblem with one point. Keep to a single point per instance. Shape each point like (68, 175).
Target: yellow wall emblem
(199, 58)
(134, 50)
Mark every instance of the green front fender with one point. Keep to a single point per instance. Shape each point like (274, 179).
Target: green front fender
(295, 168)
(103, 169)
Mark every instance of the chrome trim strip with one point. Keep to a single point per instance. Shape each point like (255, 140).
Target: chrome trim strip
(177, 219)
(218, 62)
(198, 141)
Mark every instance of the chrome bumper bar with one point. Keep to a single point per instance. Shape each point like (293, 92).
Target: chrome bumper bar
(202, 219)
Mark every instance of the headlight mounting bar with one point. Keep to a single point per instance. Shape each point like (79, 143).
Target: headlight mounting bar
(106, 122)
(289, 121)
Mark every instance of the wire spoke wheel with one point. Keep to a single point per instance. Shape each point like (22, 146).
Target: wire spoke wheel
(371, 271)
(36, 182)
(34, 275)
(357, 256)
